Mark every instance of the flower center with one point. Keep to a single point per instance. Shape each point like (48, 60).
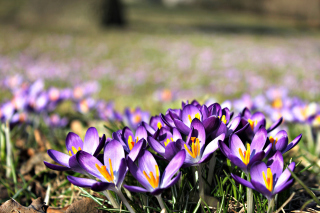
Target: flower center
(268, 180)
(74, 150)
(159, 125)
(131, 142)
(84, 107)
(195, 147)
(168, 141)
(137, 118)
(153, 180)
(223, 119)
(245, 156)
(195, 116)
(103, 170)
(274, 141)
(252, 123)
(277, 103)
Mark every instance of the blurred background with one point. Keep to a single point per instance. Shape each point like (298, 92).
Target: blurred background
(140, 51)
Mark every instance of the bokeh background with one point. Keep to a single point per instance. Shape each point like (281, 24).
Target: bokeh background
(138, 50)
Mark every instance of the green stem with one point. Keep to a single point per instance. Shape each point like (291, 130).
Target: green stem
(212, 164)
(111, 199)
(124, 201)
(270, 205)
(10, 168)
(250, 204)
(159, 198)
(201, 183)
(2, 144)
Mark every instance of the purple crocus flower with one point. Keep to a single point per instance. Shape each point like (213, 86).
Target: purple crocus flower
(92, 145)
(85, 105)
(54, 120)
(268, 179)
(155, 123)
(135, 116)
(245, 157)
(197, 150)
(149, 176)
(6, 111)
(256, 121)
(188, 114)
(111, 173)
(166, 144)
(280, 142)
(132, 143)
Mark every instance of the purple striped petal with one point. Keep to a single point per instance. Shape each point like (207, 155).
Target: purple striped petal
(189, 110)
(283, 186)
(242, 181)
(275, 163)
(136, 189)
(147, 163)
(102, 186)
(102, 143)
(284, 177)
(200, 132)
(91, 140)
(81, 182)
(213, 145)
(275, 125)
(73, 140)
(121, 172)
(259, 140)
(238, 162)
(171, 150)
(210, 123)
(59, 157)
(55, 167)
(172, 168)
(137, 149)
(261, 188)
(256, 172)
(141, 133)
(176, 134)
(224, 149)
(293, 143)
(172, 181)
(156, 146)
(181, 127)
(113, 151)
(235, 145)
(88, 163)
(138, 175)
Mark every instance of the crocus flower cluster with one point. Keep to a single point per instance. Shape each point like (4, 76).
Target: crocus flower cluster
(184, 137)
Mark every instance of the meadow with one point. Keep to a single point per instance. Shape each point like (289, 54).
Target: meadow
(61, 72)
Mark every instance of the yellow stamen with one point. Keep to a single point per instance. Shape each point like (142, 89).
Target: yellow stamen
(245, 156)
(159, 125)
(131, 142)
(252, 123)
(74, 150)
(104, 172)
(153, 180)
(268, 180)
(195, 147)
(274, 141)
(277, 103)
(195, 116)
(223, 119)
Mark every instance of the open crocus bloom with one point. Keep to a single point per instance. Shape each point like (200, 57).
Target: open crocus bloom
(92, 145)
(111, 174)
(135, 116)
(154, 124)
(165, 144)
(256, 121)
(191, 112)
(149, 176)
(132, 144)
(242, 156)
(280, 142)
(268, 179)
(196, 148)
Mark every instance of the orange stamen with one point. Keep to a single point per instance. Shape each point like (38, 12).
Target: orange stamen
(104, 172)
(159, 125)
(245, 156)
(153, 180)
(195, 147)
(252, 123)
(131, 142)
(268, 180)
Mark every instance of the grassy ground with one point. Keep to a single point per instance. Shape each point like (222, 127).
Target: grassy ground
(194, 52)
